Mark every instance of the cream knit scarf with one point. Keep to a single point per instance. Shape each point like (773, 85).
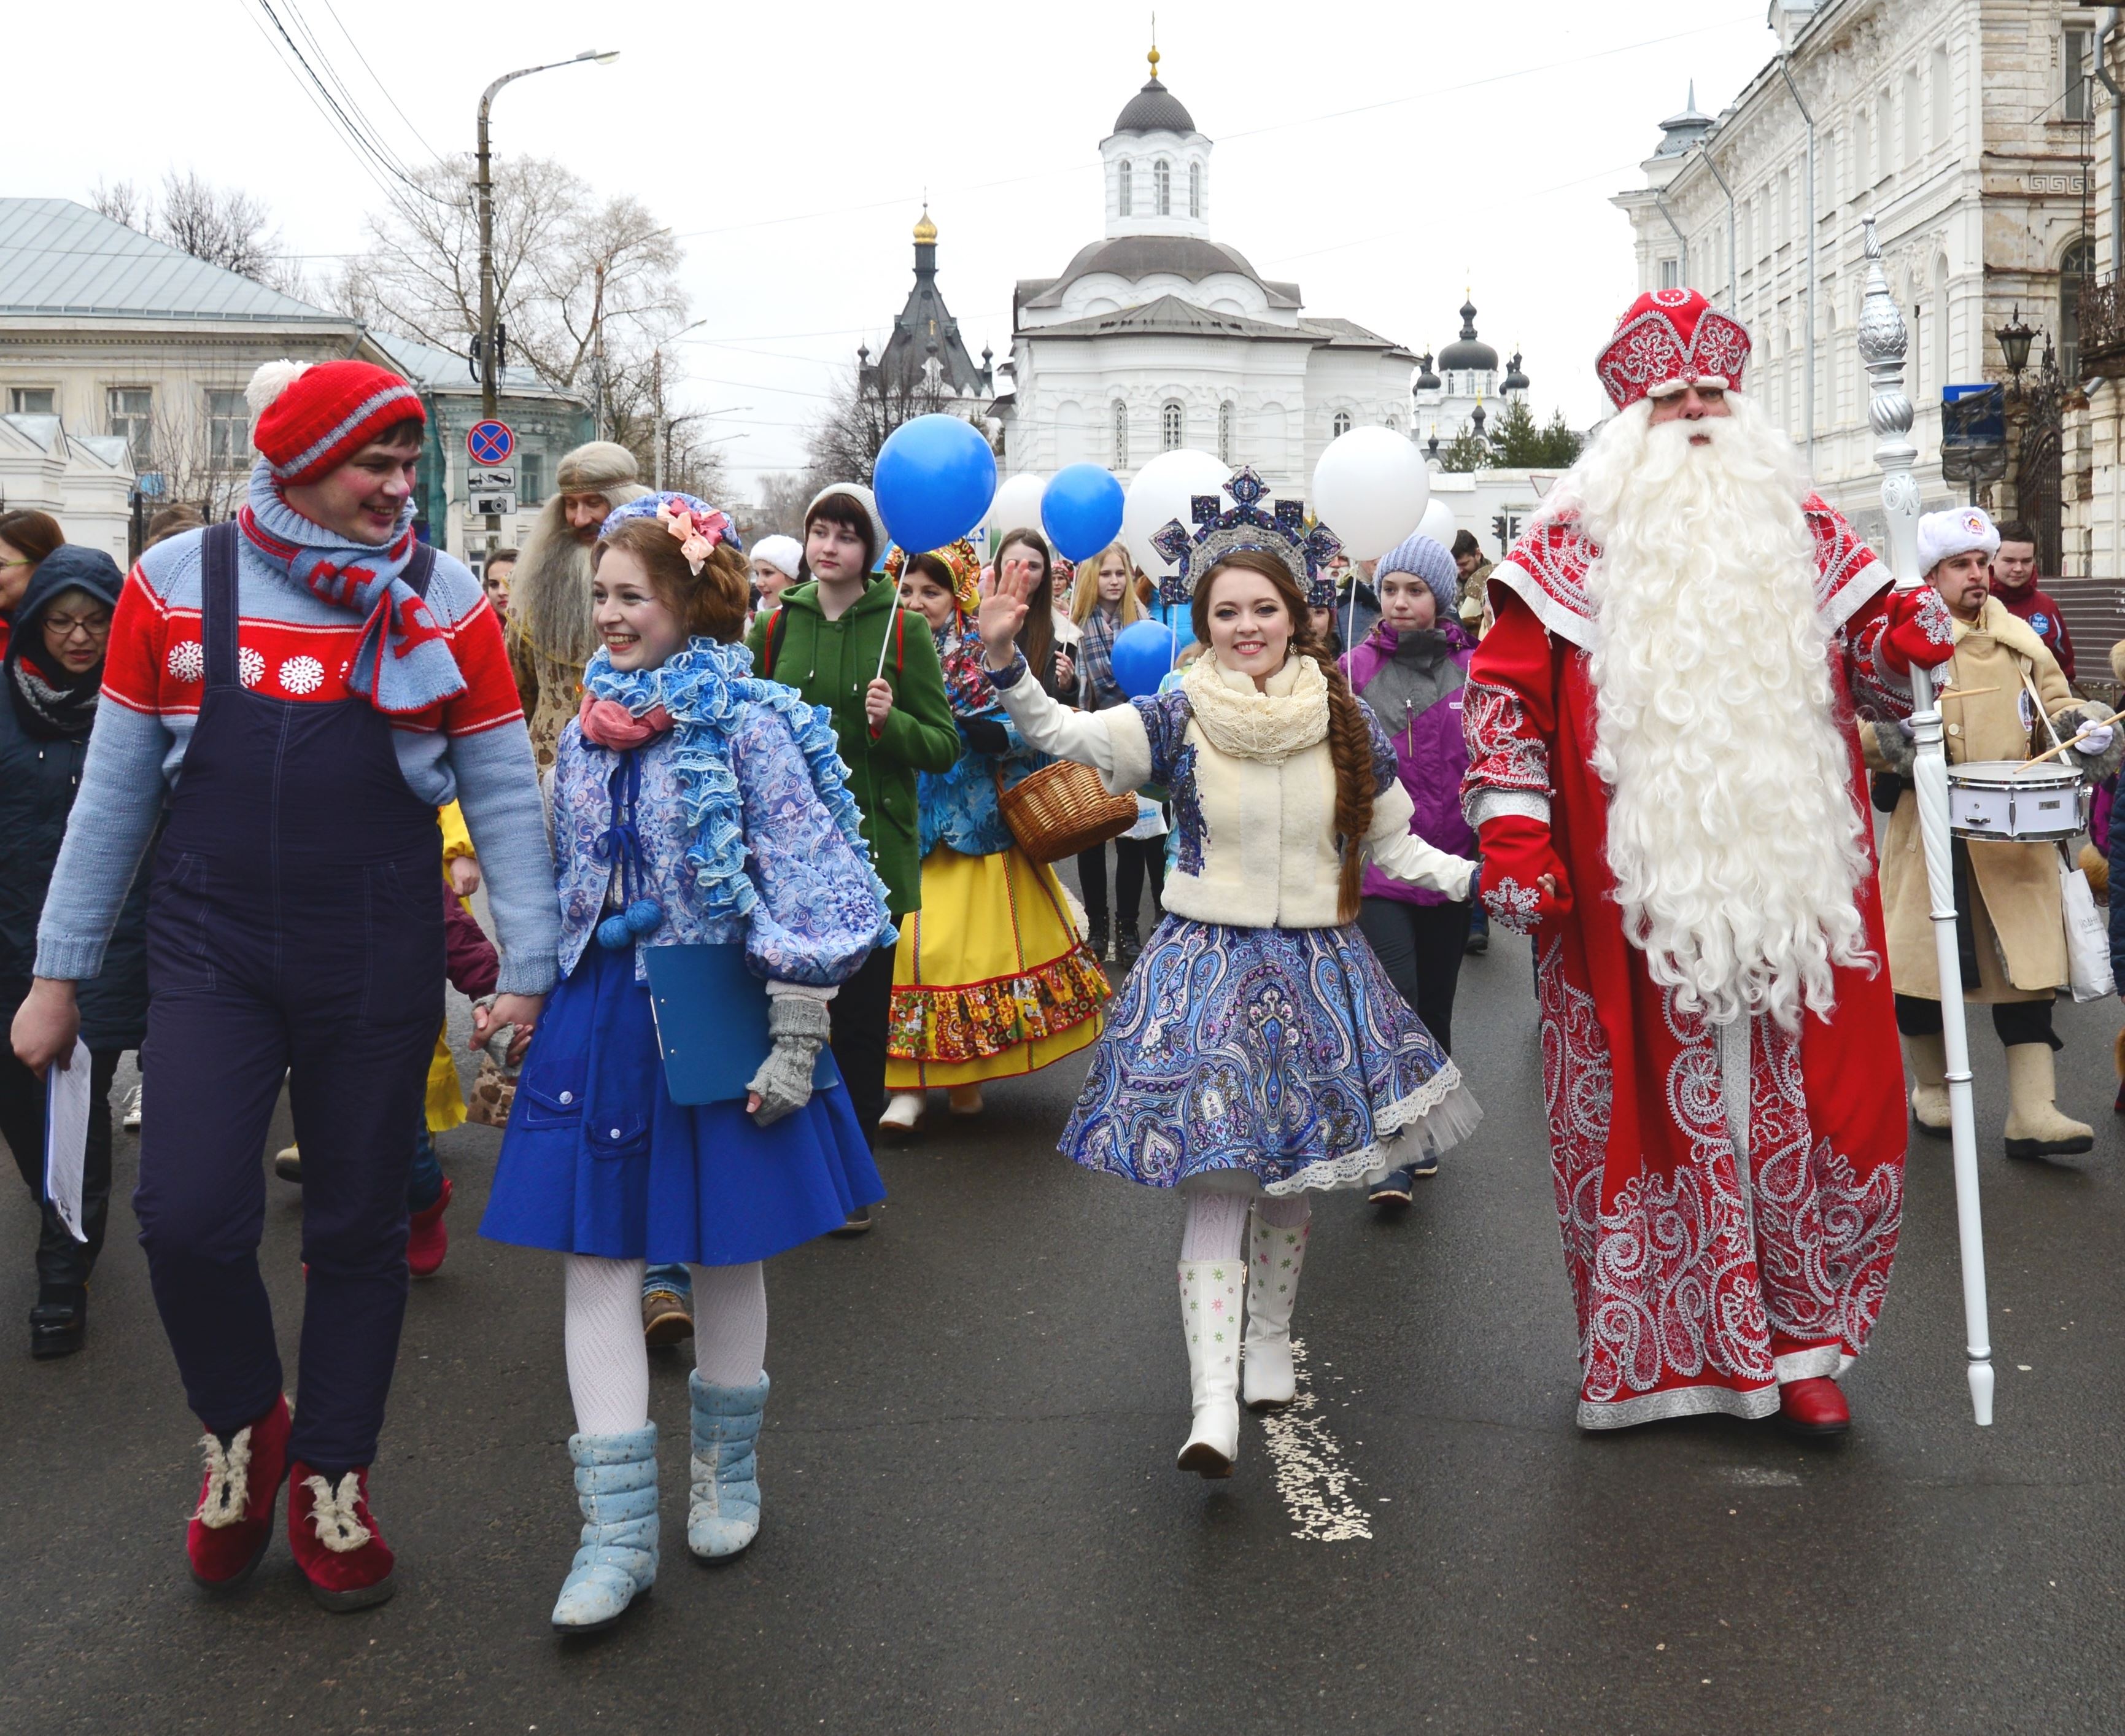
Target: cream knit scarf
(1236, 718)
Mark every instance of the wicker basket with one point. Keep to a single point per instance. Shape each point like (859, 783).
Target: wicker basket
(1062, 809)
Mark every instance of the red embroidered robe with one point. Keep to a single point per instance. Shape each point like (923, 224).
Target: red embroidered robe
(1705, 1270)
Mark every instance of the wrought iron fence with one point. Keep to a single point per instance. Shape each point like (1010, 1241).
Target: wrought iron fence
(2102, 308)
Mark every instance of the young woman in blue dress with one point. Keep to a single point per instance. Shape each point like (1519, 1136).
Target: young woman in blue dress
(693, 805)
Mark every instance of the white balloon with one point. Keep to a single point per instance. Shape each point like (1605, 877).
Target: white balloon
(1017, 504)
(1371, 488)
(1164, 489)
(1437, 523)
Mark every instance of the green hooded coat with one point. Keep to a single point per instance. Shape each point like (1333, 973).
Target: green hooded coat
(830, 663)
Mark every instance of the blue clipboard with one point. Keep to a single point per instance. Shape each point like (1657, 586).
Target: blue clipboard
(711, 1018)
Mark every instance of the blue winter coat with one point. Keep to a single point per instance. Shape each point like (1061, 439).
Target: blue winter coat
(38, 779)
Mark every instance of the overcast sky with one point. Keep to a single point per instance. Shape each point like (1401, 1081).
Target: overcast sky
(1386, 155)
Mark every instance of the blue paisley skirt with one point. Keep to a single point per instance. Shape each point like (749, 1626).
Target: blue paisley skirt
(1285, 1055)
(597, 1158)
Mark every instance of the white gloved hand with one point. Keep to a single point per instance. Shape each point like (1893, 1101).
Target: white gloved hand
(2095, 741)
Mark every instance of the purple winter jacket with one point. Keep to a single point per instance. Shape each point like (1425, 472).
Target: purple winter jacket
(1429, 753)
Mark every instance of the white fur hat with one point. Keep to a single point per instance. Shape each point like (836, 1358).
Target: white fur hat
(781, 553)
(1956, 531)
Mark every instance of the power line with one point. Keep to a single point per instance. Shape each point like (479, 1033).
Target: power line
(380, 83)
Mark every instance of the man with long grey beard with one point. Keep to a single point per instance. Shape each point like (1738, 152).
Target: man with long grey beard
(1664, 770)
(549, 631)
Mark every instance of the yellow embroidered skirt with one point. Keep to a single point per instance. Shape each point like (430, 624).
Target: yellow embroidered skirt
(990, 979)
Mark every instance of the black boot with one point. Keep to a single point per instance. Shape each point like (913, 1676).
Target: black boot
(59, 1324)
(1095, 936)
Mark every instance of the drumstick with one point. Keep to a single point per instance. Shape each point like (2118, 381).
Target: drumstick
(1963, 692)
(2054, 752)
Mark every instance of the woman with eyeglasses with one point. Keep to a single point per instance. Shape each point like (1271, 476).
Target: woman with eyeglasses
(26, 538)
(53, 674)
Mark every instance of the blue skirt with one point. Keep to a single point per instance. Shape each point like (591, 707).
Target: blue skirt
(598, 1159)
(1277, 1058)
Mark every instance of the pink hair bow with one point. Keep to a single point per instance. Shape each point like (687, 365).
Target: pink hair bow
(698, 533)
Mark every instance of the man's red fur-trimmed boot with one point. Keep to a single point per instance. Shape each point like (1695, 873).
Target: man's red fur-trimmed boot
(1814, 1407)
(234, 1520)
(334, 1539)
(427, 1240)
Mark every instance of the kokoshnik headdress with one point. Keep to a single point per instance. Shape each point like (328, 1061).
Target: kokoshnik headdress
(1246, 526)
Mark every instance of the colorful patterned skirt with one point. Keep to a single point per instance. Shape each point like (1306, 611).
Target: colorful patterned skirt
(990, 979)
(1283, 1054)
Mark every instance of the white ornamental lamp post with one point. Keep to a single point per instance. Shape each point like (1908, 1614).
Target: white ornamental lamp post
(1881, 343)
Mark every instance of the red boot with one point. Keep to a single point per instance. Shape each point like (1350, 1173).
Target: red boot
(336, 1541)
(234, 1521)
(1814, 1407)
(427, 1240)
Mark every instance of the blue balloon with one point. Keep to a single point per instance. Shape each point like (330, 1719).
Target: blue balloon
(1142, 657)
(934, 478)
(1080, 509)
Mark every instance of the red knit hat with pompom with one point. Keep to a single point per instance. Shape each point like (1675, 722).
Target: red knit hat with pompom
(312, 419)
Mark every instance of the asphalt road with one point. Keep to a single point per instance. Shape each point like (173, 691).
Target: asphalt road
(972, 1523)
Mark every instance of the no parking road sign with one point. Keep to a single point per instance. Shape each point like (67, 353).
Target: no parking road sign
(490, 443)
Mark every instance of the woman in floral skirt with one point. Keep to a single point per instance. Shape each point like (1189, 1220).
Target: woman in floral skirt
(1258, 1051)
(990, 979)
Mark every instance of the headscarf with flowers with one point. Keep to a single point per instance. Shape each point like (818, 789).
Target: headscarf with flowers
(699, 527)
(958, 641)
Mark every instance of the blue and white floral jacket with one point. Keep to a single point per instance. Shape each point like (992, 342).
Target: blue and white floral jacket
(818, 913)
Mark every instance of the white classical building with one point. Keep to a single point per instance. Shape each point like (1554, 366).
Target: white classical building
(1155, 336)
(1965, 127)
(1462, 390)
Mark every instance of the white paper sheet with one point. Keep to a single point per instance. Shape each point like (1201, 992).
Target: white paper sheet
(66, 1137)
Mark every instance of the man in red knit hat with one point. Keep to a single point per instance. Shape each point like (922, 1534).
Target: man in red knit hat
(1664, 774)
(307, 685)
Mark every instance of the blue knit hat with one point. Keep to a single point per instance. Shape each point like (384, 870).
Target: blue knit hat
(1431, 561)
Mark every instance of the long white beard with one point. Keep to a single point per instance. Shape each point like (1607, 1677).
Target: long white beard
(1734, 842)
(550, 593)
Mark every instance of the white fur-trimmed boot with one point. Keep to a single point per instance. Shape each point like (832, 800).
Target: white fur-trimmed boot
(1926, 1057)
(1275, 1256)
(616, 1486)
(1210, 1308)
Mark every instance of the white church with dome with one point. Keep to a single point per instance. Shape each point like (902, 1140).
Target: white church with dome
(1155, 336)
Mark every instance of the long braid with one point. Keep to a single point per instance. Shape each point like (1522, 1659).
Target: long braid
(1350, 742)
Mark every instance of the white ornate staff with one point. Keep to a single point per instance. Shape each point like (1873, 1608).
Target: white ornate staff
(1881, 344)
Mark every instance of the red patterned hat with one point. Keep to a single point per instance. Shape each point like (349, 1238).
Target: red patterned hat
(313, 419)
(1669, 341)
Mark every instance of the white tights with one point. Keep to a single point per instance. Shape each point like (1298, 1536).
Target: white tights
(609, 1364)
(1216, 1226)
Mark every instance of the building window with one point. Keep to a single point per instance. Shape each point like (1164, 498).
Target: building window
(1671, 274)
(531, 478)
(1884, 127)
(1162, 181)
(1172, 427)
(1195, 190)
(1228, 416)
(1830, 167)
(131, 412)
(31, 401)
(2075, 267)
(1944, 101)
(1942, 372)
(1340, 425)
(1914, 133)
(2080, 96)
(1126, 188)
(228, 427)
(1863, 148)
(1121, 435)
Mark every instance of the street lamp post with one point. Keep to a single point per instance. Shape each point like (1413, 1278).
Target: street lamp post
(489, 360)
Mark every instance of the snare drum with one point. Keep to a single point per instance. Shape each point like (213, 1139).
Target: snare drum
(2013, 800)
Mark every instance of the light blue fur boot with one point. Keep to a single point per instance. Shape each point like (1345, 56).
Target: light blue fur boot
(724, 1514)
(616, 1484)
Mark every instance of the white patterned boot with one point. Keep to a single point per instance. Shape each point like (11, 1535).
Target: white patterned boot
(1275, 1255)
(1210, 1306)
